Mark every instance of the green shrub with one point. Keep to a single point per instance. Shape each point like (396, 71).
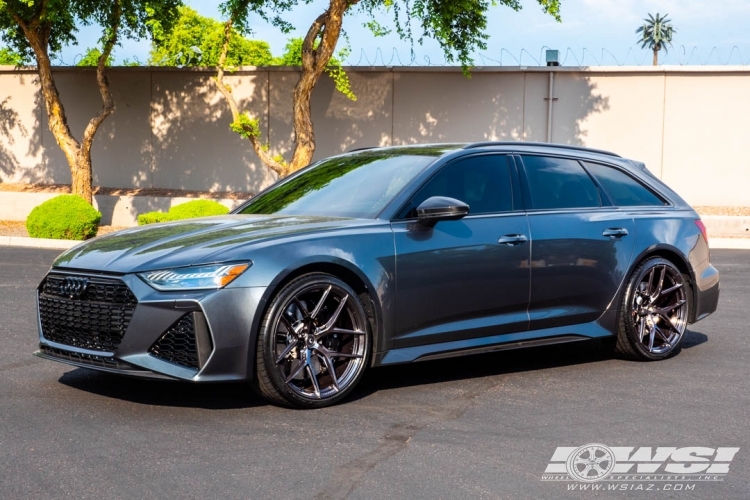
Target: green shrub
(64, 217)
(189, 210)
(152, 217)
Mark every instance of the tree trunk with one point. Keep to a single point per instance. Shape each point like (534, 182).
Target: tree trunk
(226, 91)
(657, 48)
(326, 30)
(327, 27)
(77, 154)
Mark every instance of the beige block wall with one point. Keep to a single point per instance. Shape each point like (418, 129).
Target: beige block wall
(21, 149)
(430, 107)
(171, 127)
(706, 132)
(622, 113)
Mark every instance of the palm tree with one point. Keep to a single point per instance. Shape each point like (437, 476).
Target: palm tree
(656, 33)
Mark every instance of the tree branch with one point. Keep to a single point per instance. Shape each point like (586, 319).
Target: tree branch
(252, 136)
(108, 103)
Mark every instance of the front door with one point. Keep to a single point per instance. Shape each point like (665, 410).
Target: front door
(466, 278)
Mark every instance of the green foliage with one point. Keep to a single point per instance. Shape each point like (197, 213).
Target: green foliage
(65, 217)
(246, 126)
(656, 32)
(196, 40)
(189, 210)
(91, 58)
(152, 218)
(459, 26)
(292, 56)
(9, 57)
(62, 17)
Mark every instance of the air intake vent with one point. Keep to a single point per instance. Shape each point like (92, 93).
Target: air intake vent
(186, 342)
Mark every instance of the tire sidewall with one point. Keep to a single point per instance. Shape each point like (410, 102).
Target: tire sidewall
(266, 343)
(625, 310)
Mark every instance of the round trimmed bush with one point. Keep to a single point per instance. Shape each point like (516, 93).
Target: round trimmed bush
(197, 208)
(64, 217)
(189, 210)
(152, 218)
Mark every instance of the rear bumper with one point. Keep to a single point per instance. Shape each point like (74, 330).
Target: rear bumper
(706, 293)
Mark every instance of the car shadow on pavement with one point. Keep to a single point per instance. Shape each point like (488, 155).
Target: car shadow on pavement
(497, 363)
(210, 396)
(223, 396)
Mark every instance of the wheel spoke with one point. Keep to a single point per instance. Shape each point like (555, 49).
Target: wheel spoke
(671, 289)
(332, 354)
(319, 305)
(652, 336)
(296, 371)
(286, 352)
(650, 281)
(641, 328)
(660, 285)
(661, 334)
(599, 469)
(347, 332)
(288, 325)
(672, 307)
(314, 380)
(331, 371)
(301, 307)
(325, 329)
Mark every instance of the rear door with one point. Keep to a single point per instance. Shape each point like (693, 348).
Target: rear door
(466, 278)
(581, 245)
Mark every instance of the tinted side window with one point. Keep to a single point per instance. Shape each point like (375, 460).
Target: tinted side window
(559, 183)
(483, 182)
(623, 189)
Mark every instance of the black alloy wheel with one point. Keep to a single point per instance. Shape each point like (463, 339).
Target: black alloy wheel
(654, 312)
(314, 343)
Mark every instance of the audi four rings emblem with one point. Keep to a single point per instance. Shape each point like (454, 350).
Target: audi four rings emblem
(73, 287)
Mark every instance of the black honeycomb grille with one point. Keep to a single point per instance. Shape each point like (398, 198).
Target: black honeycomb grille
(178, 345)
(96, 321)
(108, 291)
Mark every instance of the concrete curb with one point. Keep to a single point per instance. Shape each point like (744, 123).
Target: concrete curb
(729, 243)
(20, 241)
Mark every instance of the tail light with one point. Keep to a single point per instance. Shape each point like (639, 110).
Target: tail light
(702, 228)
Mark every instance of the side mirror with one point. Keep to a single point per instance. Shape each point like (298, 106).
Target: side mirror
(437, 208)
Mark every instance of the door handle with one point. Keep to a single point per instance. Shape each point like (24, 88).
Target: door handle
(512, 239)
(615, 232)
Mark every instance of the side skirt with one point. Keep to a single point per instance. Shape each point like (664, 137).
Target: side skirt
(548, 336)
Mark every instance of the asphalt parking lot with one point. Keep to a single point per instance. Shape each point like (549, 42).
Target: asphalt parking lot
(476, 427)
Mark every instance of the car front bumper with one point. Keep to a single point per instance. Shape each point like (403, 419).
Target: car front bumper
(199, 336)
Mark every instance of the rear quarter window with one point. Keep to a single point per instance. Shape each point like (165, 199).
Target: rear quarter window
(623, 190)
(559, 183)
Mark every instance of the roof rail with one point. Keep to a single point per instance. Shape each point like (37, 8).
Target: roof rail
(539, 144)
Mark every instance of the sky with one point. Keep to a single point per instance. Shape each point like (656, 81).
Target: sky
(592, 33)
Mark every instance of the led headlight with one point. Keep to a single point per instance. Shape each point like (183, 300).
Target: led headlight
(194, 278)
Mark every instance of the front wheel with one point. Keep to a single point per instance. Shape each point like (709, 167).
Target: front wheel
(654, 313)
(314, 343)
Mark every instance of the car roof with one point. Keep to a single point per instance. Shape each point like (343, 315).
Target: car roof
(502, 145)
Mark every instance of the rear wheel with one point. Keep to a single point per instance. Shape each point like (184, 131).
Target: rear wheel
(314, 343)
(654, 313)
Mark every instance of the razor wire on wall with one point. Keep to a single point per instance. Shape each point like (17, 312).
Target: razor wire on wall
(679, 55)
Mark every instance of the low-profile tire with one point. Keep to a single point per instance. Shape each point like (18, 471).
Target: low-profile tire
(654, 312)
(314, 343)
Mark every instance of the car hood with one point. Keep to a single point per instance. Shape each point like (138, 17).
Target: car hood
(189, 242)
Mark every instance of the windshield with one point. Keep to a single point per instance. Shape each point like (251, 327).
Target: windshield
(357, 185)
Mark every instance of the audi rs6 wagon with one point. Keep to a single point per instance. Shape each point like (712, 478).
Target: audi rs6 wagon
(384, 256)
